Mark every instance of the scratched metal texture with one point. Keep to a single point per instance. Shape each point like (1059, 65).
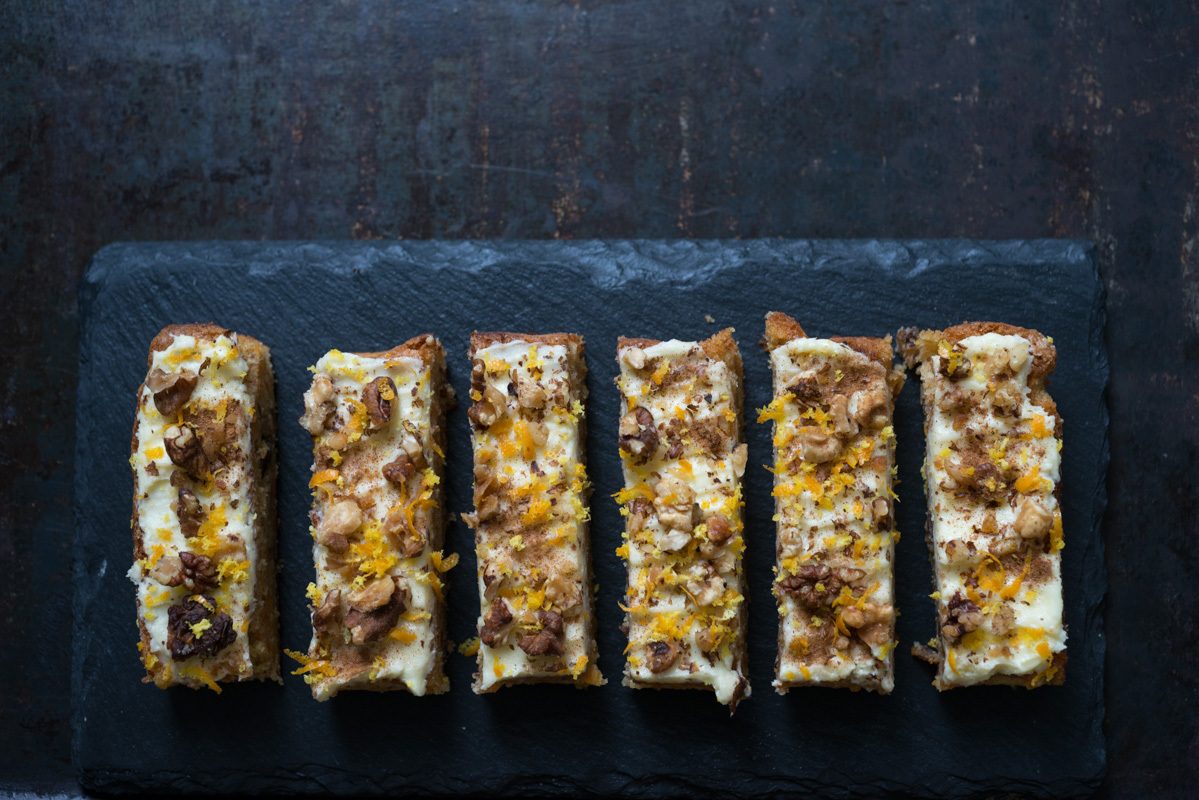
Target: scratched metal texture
(533, 119)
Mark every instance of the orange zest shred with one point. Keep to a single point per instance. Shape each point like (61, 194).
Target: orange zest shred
(402, 635)
(324, 476)
(308, 664)
(443, 563)
(1029, 481)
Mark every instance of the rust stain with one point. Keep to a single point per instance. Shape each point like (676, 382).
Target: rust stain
(1188, 253)
(686, 197)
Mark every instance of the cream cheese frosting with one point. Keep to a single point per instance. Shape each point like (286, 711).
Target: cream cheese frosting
(531, 519)
(833, 488)
(992, 466)
(683, 544)
(388, 539)
(226, 533)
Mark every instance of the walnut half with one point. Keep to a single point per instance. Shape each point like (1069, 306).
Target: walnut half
(171, 390)
(961, 617)
(378, 396)
(547, 640)
(638, 434)
(187, 637)
(184, 449)
(662, 655)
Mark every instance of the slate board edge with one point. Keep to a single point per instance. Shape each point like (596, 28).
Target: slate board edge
(926, 252)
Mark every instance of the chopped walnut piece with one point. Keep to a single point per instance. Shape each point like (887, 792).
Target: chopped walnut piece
(378, 396)
(956, 366)
(708, 639)
(183, 448)
(870, 408)
(806, 390)
(817, 585)
(484, 413)
(1003, 621)
(1005, 546)
(373, 595)
(719, 529)
(838, 411)
(675, 505)
(317, 404)
(325, 616)
(529, 395)
(493, 580)
(704, 584)
(369, 626)
(880, 509)
(634, 357)
(961, 617)
(494, 625)
(816, 446)
(662, 655)
(673, 541)
(1007, 400)
(488, 506)
(868, 614)
(400, 470)
(953, 399)
(168, 571)
(410, 542)
(340, 520)
(481, 415)
(188, 636)
(926, 654)
(562, 591)
(1033, 520)
(411, 443)
(547, 640)
(189, 511)
(171, 390)
(974, 473)
(199, 572)
(638, 434)
(219, 438)
(337, 440)
(640, 510)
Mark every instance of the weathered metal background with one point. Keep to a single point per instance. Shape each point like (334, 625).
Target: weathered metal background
(534, 119)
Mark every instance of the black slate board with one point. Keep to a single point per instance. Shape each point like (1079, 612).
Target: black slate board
(304, 298)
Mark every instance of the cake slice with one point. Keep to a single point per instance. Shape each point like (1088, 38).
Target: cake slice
(204, 539)
(536, 619)
(992, 471)
(377, 422)
(683, 459)
(834, 464)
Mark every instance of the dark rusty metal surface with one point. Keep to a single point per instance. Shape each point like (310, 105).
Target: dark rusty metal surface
(310, 119)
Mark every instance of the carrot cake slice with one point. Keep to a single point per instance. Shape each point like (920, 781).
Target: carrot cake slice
(834, 467)
(536, 618)
(204, 538)
(377, 422)
(992, 468)
(683, 459)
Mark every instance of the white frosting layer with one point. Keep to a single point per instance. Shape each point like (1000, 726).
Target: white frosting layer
(228, 533)
(831, 521)
(547, 561)
(675, 594)
(1025, 443)
(409, 652)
